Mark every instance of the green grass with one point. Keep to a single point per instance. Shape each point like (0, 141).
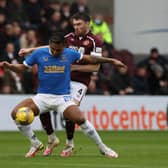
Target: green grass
(143, 149)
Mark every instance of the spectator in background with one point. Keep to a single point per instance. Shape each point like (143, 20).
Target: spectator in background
(53, 6)
(65, 12)
(8, 85)
(16, 12)
(102, 83)
(80, 6)
(161, 80)
(17, 32)
(139, 81)
(128, 58)
(33, 10)
(55, 22)
(3, 7)
(9, 53)
(105, 73)
(44, 28)
(29, 81)
(120, 82)
(12, 80)
(100, 27)
(28, 39)
(157, 69)
(7, 36)
(2, 33)
(94, 86)
(2, 22)
(125, 56)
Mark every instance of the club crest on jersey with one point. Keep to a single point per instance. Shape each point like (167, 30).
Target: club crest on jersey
(86, 42)
(63, 58)
(45, 59)
(71, 39)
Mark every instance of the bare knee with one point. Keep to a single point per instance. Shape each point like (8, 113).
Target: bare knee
(25, 103)
(80, 120)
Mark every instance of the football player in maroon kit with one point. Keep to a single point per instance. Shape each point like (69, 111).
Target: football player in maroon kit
(85, 42)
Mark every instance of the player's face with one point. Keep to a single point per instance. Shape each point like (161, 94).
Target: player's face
(56, 48)
(81, 27)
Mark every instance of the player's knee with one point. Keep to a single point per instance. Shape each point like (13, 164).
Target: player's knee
(13, 114)
(80, 121)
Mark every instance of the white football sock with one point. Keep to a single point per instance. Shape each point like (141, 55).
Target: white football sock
(28, 132)
(91, 132)
(51, 137)
(69, 141)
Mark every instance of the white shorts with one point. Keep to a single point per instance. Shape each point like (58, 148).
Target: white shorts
(48, 102)
(78, 90)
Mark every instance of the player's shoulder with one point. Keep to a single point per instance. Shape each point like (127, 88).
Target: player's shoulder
(39, 52)
(69, 35)
(45, 49)
(93, 37)
(69, 50)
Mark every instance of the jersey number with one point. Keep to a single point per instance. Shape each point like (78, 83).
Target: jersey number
(80, 91)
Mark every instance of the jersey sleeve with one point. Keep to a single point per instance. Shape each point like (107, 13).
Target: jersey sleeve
(31, 59)
(97, 51)
(75, 55)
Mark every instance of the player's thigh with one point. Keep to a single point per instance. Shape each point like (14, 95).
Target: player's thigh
(25, 103)
(78, 91)
(74, 114)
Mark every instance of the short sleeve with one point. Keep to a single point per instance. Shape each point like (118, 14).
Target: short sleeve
(75, 55)
(31, 59)
(97, 51)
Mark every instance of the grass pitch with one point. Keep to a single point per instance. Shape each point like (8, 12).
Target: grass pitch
(143, 149)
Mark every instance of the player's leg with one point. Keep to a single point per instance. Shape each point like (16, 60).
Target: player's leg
(36, 145)
(69, 146)
(78, 91)
(74, 114)
(53, 140)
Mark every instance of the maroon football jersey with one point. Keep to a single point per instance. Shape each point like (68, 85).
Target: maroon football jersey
(88, 44)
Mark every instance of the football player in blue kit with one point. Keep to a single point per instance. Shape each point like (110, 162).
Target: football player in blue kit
(53, 93)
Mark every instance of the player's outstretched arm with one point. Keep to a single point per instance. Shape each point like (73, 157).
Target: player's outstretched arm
(99, 60)
(25, 51)
(13, 67)
(85, 68)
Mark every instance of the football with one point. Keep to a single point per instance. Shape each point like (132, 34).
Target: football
(24, 116)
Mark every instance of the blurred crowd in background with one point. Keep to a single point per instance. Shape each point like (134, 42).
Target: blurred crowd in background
(30, 23)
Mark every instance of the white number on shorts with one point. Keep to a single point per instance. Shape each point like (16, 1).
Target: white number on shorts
(80, 91)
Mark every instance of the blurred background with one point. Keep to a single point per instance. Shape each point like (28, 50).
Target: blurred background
(139, 39)
(135, 32)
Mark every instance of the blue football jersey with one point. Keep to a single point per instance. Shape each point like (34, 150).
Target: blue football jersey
(53, 71)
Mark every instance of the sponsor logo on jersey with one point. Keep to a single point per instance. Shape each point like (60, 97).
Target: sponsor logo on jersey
(54, 69)
(63, 58)
(45, 59)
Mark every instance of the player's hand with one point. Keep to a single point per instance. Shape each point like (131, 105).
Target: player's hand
(24, 51)
(4, 64)
(119, 64)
